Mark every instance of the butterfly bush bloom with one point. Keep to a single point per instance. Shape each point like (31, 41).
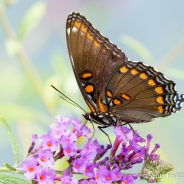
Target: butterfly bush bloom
(96, 163)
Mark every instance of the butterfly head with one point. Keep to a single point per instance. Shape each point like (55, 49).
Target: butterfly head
(87, 116)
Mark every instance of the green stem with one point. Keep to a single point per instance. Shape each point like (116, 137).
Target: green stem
(4, 169)
(8, 166)
(171, 56)
(23, 59)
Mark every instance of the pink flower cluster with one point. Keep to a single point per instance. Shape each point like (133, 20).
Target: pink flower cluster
(97, 164)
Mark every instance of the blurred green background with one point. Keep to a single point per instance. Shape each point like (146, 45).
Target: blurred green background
(33, 55)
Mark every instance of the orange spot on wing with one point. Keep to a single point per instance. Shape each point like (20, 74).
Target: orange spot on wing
(161, 109)
(123, 69)
(77, 24)
(86, 75)
(159, 90)
(151, 82)
(83, 28)
(143, 76)
(103, 107)
(134, 72)
(126, 97)
(117, 101)
(89, 88)
(89, 36)
(109, 94)
(96, 44)
(160, 100)
(91, 107)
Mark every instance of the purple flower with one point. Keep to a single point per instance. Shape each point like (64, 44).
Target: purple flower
(67, 177)
(80, 129)
(128, 179)
(104, 175)
(123, 133)
(48, 142)
(45, 176)
(89, 169)
(30, 167)
(116, 174)
(90, 150)
(91, 181)
(70, 149)
(97, 164)
(78, 165)
(45, 157)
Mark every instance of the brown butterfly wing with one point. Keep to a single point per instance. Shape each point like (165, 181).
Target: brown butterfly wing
(109, 82)
(91, 56)
(139, 93)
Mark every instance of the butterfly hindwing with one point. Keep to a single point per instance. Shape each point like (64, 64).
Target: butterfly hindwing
(139, 93)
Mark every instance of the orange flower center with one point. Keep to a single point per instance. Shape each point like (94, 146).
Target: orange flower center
(42, 177)
(49, 144)
(108, 178)
(68, 150)
(42, 159)
(31, 169)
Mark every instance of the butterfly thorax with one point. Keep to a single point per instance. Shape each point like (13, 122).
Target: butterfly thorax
(102, 119)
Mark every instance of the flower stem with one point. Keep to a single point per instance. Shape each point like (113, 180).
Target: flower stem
(171, 56)
(23, 58)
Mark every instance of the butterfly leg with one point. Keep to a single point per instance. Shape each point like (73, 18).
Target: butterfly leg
(92, 126)
(101, 128)
(129, 126)
(84, 125)
(134, 131)
(132, 128)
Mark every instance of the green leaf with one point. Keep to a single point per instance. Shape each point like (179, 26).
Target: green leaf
(138, 47)
(31, 19)
(8, 178)
(12, 139)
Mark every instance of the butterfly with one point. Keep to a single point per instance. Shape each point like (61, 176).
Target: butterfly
(117, 90)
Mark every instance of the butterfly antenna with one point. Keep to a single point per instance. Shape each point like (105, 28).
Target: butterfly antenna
(64, 97)
(68, 101)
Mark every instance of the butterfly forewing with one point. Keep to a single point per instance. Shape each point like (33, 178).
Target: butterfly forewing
(91, 55)
(112, 84)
